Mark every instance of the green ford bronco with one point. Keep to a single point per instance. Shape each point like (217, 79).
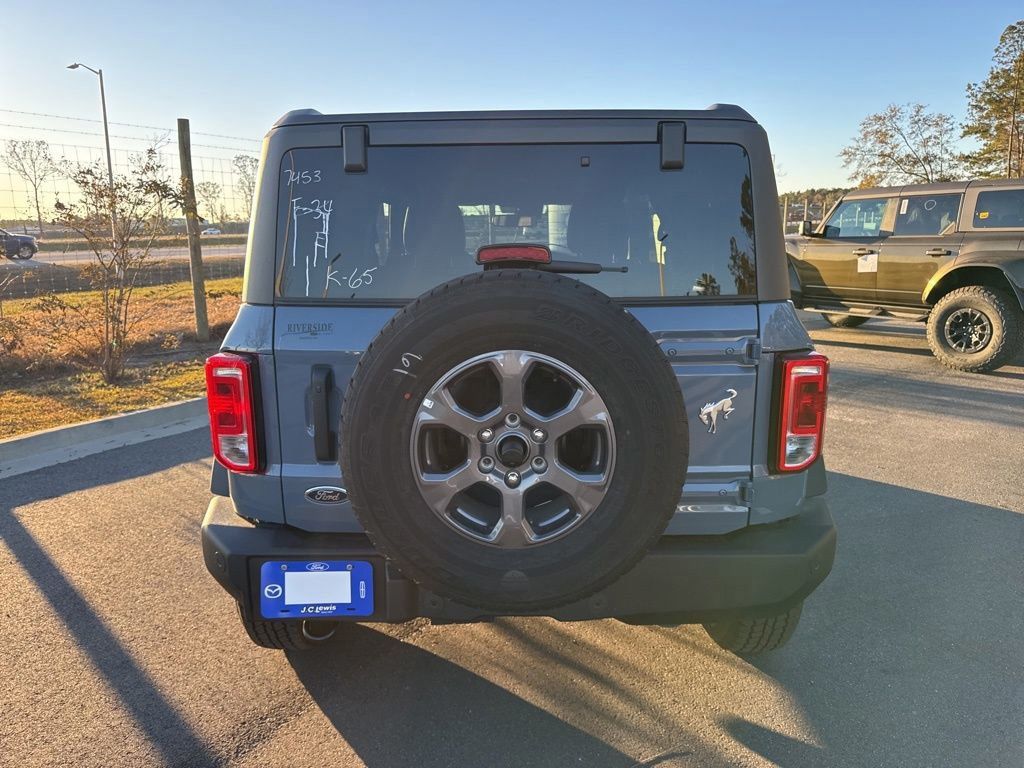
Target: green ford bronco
(950, 254)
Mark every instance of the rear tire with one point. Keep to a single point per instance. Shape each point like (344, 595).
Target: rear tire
(24, 253)
(984, 322)
(844, 321)
(750, 636)
(287, 635)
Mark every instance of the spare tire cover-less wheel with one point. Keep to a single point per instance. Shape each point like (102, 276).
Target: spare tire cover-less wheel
(514, 440)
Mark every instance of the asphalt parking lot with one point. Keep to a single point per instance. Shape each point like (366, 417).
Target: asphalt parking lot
(121, 650)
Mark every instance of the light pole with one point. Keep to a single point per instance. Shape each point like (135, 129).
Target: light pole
(103, 104)
(106, 140)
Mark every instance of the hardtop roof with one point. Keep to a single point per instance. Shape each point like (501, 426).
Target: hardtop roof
(947, 187)
(713, 112)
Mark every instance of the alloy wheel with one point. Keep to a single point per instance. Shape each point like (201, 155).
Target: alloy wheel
(968, 330)
(513, 448)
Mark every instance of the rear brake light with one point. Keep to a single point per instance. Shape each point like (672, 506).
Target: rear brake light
(801, 396)
(492, 254)
(230, 398)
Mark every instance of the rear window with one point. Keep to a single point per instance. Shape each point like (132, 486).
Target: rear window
(418, 215)
(999, 208)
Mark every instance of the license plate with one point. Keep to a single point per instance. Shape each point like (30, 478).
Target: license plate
(303, 589)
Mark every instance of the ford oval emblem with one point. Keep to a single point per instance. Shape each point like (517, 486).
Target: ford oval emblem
(317, 566)
(326, 494)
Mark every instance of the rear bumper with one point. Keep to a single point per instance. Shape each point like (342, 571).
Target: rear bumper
(762, 569)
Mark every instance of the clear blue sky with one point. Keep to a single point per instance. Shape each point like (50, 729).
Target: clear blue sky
(808, 71)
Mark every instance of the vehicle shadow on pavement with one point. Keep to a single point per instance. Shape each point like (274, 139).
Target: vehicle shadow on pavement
(887, 337)
(116, 465)
(900, 395)
(897, 345)
(909, 653)
(776, 747)
(412, 707)
(153, 713)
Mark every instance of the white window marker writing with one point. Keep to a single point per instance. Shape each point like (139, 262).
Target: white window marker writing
(298, 178)
(318, 210)
(353, 281)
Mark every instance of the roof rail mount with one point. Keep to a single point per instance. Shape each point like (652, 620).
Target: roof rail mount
(731, 110)
(293, 113)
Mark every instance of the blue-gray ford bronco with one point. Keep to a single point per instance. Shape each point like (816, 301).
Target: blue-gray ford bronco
(518, 364)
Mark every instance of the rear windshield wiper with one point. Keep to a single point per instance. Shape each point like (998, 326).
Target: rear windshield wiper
(579, 267)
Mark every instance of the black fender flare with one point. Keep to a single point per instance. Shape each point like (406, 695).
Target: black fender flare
(1013, 273)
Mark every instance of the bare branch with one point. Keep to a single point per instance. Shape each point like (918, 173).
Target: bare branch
(901, 144)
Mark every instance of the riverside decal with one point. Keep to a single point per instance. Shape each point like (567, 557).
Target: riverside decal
(327, 494)
(309, 329)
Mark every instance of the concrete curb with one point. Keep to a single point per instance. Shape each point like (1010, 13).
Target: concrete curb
(27, 453)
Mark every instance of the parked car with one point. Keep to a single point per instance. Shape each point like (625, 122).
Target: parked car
(528, 363)
(210, 231)
(951, 255)
(17, 247)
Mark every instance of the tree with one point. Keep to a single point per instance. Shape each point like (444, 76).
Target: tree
(741, 266)
(245, 166)
(32, 161)
(707, 285)
(209, 194)
(903, 144)
(995, 110)
(101, 329)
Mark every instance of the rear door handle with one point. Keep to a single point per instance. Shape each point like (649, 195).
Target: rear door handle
(862, 251)
(937, 252)
(321, 386)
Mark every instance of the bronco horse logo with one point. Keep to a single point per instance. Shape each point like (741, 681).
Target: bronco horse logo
(711, 411)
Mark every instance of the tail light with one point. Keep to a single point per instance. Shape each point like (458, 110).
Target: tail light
(230, 388)
(801, 394)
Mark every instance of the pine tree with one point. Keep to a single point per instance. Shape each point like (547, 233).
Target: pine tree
(995, 110)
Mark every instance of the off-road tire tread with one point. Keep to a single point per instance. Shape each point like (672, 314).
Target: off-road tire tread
(751, 636)
(1003, 347)
(844, 321)
(279, 635)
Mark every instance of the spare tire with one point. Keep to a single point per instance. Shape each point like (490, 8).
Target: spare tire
(514, 440)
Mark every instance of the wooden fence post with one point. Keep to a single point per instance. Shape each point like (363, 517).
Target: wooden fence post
(195, 252)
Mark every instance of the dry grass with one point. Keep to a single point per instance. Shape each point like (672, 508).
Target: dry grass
(165, 325)
(44, 383)
(59, 401)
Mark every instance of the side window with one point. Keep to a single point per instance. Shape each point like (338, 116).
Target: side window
(927, 214)
(858, 218)
(1000, 208)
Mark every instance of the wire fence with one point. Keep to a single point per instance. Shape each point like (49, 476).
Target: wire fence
(796, 209)
(37, 163)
